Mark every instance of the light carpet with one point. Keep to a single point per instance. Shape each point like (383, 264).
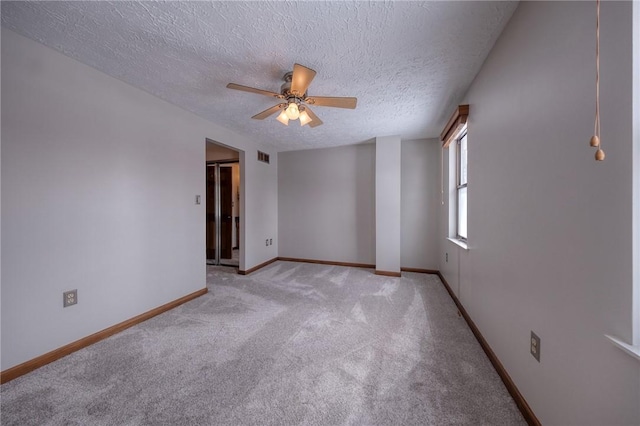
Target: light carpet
(293, 343)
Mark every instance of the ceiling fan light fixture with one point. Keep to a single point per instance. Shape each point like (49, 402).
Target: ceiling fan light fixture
(292, 111)
(304, 118)
(283, 118)
(294, 98)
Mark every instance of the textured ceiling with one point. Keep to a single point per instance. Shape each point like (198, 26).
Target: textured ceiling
(408, 63)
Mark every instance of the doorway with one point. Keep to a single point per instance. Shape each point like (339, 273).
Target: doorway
(222, 205)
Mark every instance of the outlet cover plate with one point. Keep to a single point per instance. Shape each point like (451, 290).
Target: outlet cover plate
(69, 298)
(535, 346)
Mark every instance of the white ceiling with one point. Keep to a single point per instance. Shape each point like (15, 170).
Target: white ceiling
(408, 63)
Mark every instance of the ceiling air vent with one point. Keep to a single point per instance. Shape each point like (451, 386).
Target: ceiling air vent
(264, 157)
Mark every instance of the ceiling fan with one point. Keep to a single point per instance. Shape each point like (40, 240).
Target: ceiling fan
(296, 102)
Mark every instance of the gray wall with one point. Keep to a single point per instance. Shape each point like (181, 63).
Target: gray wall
(636, 172)
(388, 203)
(420, 203)
(326, 204)
(98, 187)
(550, 229)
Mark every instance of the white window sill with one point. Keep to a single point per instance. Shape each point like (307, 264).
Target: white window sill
(459, 243)
(633, 350)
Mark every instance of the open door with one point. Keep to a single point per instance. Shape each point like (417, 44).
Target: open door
(226, 212)
(211, 212)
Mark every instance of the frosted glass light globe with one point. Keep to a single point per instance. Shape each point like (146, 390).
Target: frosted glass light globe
(292, 111)
(304, 118)
(283, 118)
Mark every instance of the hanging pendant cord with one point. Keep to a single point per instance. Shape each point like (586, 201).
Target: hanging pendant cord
(596, 126)
(442, 176)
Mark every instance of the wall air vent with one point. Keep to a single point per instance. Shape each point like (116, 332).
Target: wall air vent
(264, 157)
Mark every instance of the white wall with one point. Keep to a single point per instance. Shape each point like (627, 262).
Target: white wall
(420, 203)
(98, 187)
(636, 172)
(326, 206)
(388, 189)
(259, 220)
(550, 228)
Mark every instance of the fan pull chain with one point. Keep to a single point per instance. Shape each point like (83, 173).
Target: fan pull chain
(595, 139)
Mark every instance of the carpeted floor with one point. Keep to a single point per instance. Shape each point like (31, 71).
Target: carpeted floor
(234, 261)
(293, 343)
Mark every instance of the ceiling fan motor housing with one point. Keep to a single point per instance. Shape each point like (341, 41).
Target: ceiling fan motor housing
(285, 89)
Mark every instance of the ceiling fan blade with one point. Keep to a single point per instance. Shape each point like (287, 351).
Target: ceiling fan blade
(268, 112)
(315, 121)
(302, 77)
(253, 90)
(328, 101)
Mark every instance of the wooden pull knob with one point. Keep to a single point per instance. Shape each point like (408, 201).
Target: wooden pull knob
(599, 155)
(595, 141)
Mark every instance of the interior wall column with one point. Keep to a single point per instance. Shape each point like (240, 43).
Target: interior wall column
(388, 230)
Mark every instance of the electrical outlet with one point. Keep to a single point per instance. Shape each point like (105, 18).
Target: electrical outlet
(69, 298)
(197, 199)
(267, 242)
(535, 346)
(270, 241)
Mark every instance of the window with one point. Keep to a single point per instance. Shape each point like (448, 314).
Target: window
(461, 187)
(454, 137)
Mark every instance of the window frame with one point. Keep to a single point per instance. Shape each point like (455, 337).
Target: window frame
(459, 185)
